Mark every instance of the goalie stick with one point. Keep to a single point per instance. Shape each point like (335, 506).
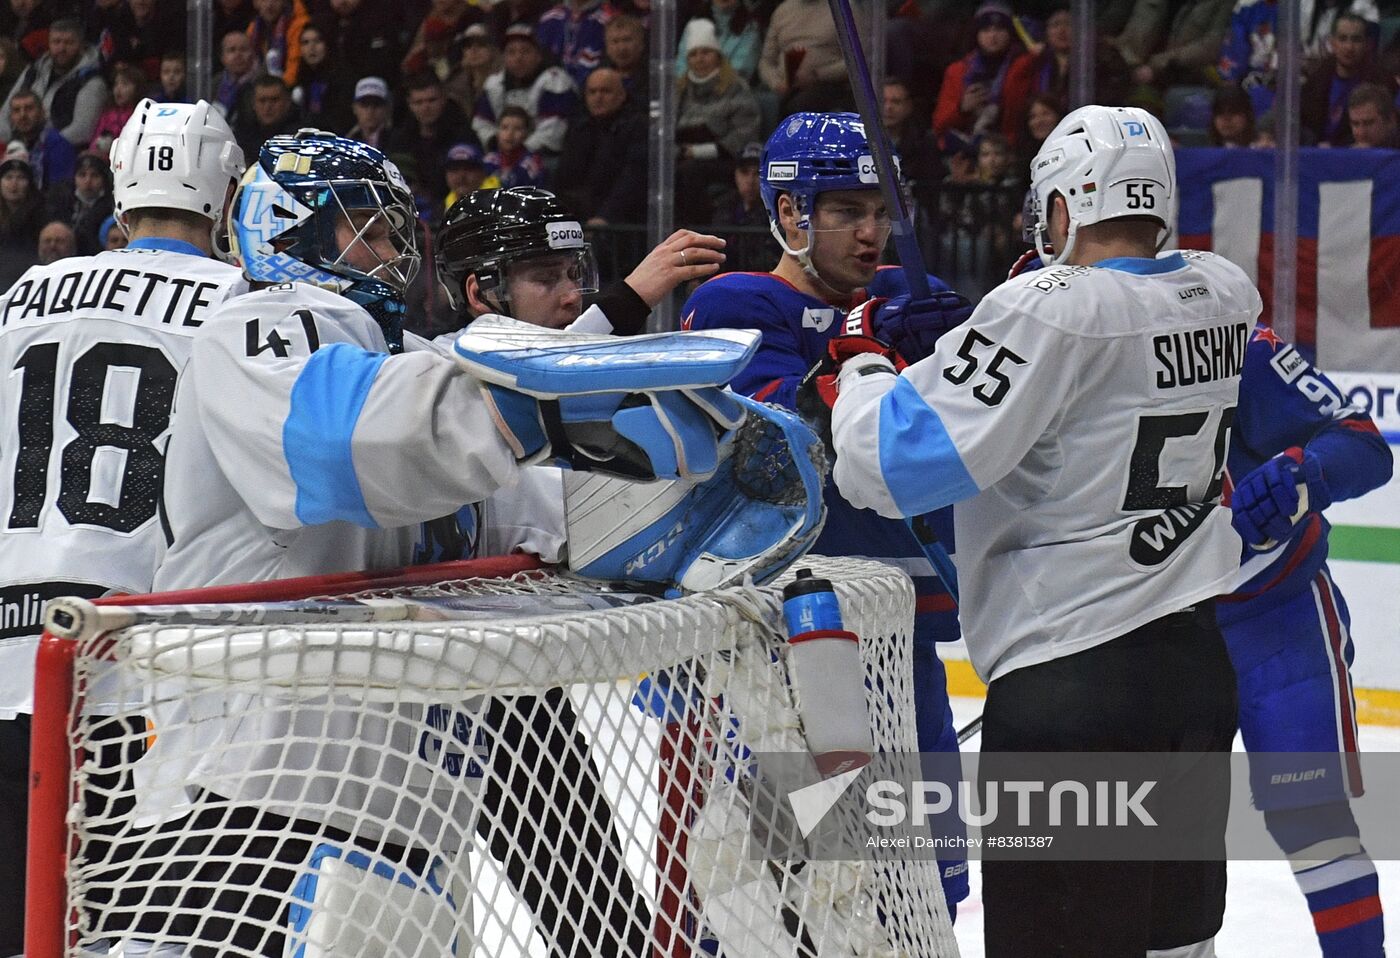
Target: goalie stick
(906, 244)
(72, 618)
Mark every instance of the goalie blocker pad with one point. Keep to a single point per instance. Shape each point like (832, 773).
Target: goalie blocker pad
(759, 512)
(549, 363)
(350, 902)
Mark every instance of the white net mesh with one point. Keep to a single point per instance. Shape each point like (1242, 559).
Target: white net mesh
(484, 786)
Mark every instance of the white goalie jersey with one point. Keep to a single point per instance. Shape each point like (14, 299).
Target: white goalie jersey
(304, 448)
(1080, 420)
(94, 348)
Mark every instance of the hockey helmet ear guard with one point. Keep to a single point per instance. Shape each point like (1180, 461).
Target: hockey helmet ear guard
(323, 209)
(1107, 163)
(488, 230)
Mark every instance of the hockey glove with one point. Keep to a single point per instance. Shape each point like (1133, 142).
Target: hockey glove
(911, 326)
(1270, 502)
(758, 513)
(1028, 262)
(816, 394)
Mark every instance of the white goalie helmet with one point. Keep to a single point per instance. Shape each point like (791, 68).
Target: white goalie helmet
(1107, 162)
(178, 156)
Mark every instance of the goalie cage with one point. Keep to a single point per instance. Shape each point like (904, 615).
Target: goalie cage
(388, 737)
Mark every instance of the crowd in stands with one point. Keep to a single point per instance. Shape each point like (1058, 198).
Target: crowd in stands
(470, 93)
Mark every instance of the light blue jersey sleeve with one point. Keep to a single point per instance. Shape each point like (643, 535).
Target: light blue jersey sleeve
(312, 422)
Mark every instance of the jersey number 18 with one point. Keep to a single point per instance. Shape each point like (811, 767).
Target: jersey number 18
(143, 465)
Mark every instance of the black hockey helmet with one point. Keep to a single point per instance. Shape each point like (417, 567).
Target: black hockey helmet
(487, 230)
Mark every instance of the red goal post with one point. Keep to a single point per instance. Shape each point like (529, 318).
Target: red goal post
(655, 776)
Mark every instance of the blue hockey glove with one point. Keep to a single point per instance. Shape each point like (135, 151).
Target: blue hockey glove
(911, 326)
(675, 434)
(1270, 502)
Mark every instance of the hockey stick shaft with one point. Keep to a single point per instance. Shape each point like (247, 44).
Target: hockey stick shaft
(969, 730)
(79, 619)
(906, 244)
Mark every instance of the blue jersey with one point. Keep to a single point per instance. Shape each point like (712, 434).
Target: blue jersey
(796, 328)
(1286, 403)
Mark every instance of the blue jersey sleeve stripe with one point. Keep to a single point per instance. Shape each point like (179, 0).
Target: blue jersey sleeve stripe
(920, 464)
(325, 407)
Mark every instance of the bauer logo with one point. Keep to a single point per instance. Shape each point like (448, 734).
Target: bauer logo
(566, 235)
(1053, 158)
(782, 172)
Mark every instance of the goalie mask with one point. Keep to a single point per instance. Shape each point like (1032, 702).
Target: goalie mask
(810, 154)
(1107, 163)
(318, 208)
(503, 235)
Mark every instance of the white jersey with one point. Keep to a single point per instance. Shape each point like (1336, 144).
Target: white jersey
(1080, 419)
(93, 348)
(303, 449)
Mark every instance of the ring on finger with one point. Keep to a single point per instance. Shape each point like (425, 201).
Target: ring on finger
(683, 262)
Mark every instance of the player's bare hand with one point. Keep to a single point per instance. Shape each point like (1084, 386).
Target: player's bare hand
(682, 257)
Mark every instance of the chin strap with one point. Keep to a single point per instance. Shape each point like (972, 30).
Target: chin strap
(1049, 254)
(804, 258)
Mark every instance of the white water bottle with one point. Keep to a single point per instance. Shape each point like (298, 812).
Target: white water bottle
(828, 676)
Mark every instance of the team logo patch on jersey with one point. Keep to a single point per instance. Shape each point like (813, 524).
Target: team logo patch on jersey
(1288, 363)
(818, 319)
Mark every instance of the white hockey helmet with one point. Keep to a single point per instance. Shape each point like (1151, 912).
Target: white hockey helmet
(1107, 162)
(176, 156)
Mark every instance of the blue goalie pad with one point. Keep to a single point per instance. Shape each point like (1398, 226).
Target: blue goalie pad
(757, 514)
(351, 901)
(549, 363)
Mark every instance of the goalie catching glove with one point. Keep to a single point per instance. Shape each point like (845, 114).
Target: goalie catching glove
(643, 408)
(1273, 499)
(757, 514)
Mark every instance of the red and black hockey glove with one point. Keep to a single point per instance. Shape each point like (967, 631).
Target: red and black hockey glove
(816, 394)
(911, 326)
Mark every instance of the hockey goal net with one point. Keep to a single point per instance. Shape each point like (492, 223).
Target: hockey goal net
(560, 771)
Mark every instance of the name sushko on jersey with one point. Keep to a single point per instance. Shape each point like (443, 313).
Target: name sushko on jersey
(1080, 419)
